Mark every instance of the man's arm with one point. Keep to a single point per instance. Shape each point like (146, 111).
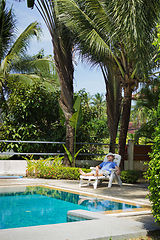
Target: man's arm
(98, 167)
(118, 170)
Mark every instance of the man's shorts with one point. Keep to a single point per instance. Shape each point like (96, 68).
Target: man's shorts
(104, 172)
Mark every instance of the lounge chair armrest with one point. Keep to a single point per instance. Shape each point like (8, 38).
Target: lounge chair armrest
(113, 170)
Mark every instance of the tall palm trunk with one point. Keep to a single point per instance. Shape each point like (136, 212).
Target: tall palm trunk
(64, 67)
(3, 104)
(113, 100)
(62, 45)
(124, 123)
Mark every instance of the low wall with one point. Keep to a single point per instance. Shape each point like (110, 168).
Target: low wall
(13, 167)
(18, 167)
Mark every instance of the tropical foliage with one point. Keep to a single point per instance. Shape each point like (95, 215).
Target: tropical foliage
(33, 115)
(16, 65)
(118, 34)
(92, 130)
(7, 28)
(130, 176)
(51, 168)
(63, 56)
(144, 113)
(98, 102)
(12, 50)
(153, 173)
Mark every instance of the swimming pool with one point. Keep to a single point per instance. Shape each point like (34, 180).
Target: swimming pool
(37, 205)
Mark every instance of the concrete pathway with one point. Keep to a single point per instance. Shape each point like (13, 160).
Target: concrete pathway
(103, 226)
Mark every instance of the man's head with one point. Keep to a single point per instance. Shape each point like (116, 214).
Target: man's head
(110, 157)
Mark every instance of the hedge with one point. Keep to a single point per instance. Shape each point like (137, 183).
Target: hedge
(49, 170)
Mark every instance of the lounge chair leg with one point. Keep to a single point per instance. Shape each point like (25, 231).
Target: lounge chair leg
(80, 183)
(109, 184)
(95, 184)
(111, 180)
(119, 181)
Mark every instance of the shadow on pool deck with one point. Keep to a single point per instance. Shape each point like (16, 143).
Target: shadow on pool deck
(116, 226)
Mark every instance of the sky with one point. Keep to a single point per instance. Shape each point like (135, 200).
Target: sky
(84, 76)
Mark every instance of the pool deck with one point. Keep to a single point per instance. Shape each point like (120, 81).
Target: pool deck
(116, 225)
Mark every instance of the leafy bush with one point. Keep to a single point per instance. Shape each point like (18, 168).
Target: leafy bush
(59, 173)
(32, 114)
(153, 173)
(51, 168)
(71, 173)
(130, 176)
(35, 167)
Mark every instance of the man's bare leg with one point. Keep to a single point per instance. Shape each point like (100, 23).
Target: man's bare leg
(97, 174)
(85, 174)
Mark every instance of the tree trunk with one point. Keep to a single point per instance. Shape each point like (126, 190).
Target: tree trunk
(3, 100)
(69, 144)
(64, 67)
(124, 123)
(113, 100)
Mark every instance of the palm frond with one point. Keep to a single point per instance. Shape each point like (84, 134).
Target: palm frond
(20, 45)
(102, 27)
(29, 79)
(7, 28)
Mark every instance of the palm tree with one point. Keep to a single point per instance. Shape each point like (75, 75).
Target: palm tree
(15, 65)
(98, 103)
(63, 54)
(118, 33)
(11, 50)
(7, 27)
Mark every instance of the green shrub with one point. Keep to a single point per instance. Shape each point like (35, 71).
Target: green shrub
(51, 168)
(62, 172)
(35, 167)
(153, 174)
(130, 176)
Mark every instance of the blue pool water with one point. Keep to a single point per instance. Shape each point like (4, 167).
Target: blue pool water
(41, 206)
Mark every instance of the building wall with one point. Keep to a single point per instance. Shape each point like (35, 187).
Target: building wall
(140, 157)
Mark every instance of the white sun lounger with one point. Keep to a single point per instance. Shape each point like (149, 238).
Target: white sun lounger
(96, 180)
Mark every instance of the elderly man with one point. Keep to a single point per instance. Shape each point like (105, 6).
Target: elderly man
(104, 168)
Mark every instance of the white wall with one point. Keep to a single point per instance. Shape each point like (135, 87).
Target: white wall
(13, 167)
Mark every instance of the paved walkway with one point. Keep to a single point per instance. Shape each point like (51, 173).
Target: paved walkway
(118, 226)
